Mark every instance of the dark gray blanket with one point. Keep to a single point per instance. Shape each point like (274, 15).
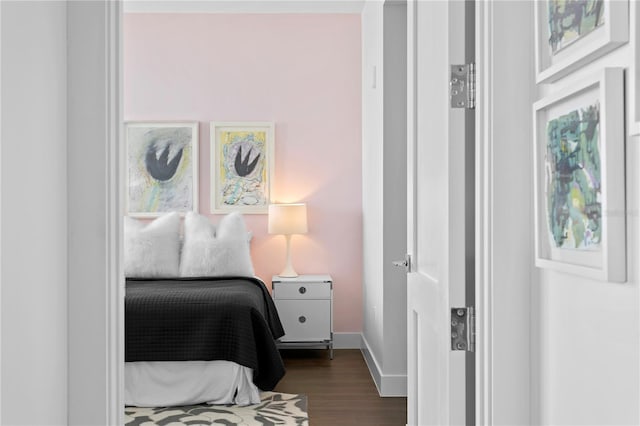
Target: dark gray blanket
(184, 319)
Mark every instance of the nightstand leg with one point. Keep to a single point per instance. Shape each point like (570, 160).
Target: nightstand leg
(331, 350)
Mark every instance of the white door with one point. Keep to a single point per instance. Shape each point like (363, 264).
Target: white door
(440, 179)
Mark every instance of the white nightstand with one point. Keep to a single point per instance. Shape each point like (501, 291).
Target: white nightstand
(305, 306)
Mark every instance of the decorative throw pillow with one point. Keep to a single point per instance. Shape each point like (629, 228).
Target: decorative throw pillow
(210, 251)
(152, 250)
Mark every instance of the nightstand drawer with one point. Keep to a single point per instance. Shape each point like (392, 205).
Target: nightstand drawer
(305, 290)
(305, 321)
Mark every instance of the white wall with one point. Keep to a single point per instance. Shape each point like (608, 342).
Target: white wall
(584, 351)
(33, 260)
(584, 348)
(587, 336)
(395, 194)
(372, 176)
(384, 193)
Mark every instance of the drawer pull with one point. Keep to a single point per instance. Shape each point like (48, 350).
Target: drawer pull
(302, 290)
(302, 319)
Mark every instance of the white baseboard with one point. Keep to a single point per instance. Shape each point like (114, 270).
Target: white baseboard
(388, 384)
(347, 340)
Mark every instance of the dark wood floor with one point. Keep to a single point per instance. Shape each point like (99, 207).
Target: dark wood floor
(340, 391)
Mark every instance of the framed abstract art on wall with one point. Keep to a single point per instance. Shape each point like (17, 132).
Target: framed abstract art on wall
(572, 33)
(634, 126)
(162, 167)
(242, 161)
(579, 185)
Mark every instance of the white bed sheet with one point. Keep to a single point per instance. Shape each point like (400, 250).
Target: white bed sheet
(174, 383)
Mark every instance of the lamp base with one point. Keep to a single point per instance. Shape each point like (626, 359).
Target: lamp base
(288, 271)
(285, 274)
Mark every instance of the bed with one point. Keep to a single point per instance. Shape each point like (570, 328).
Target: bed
(198, 337)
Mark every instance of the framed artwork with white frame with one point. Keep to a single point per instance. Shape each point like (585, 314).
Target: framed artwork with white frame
(242, 163)
(635, 77)
(579, 184)
(162, 167)
(572, 33)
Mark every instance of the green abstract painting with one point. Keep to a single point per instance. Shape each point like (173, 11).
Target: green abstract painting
(571, 19)
(573, 184)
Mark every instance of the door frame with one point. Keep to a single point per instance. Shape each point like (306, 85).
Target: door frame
(116, 158)
(505, 391)
(488, 296)
(95, 388)
(484, 328)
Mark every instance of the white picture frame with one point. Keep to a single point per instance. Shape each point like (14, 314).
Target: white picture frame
(161, 167)
(241, 181)
(583, 48)
(634, 127)
(580, 216)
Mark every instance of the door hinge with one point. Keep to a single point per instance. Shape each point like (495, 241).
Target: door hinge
(462, 86)
(463, 329)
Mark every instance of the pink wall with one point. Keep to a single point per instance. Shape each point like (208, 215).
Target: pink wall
(302, 72)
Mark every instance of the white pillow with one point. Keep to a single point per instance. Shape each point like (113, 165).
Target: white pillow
(208, 251)
(152, 250)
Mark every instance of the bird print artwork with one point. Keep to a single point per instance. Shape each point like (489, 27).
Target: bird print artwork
(242, 179)
(161, 167)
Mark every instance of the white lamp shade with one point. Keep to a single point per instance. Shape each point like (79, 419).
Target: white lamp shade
(288, 219)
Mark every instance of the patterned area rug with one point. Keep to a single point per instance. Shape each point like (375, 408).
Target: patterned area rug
(275, 409)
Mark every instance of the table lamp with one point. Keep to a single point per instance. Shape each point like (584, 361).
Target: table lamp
(288, 219)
